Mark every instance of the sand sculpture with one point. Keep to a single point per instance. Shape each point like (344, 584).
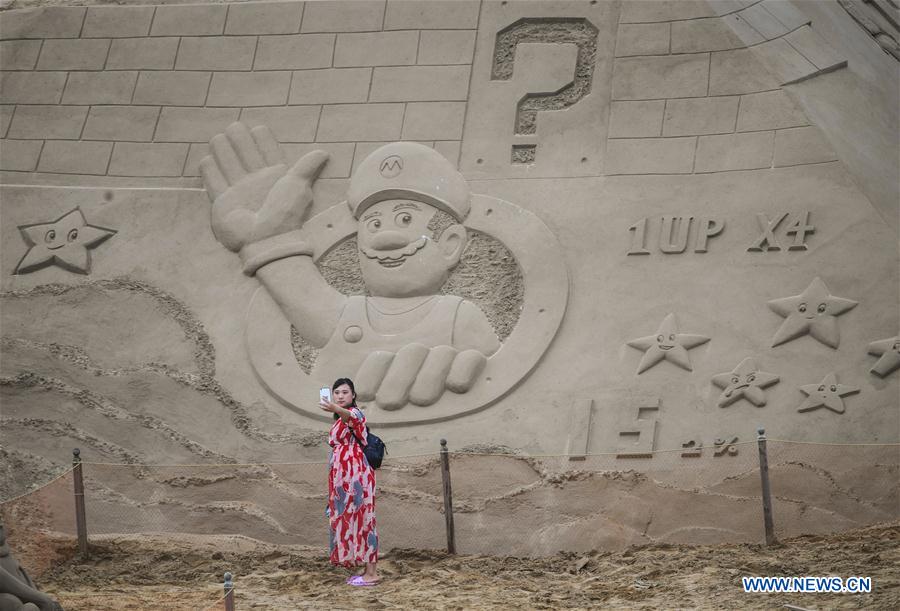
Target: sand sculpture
(689, 210)
(66, 242)
(889, 352)
(668, 344)
(814, 311)
(17, 590)
(745, 381)
(828, 394)
(404, 342)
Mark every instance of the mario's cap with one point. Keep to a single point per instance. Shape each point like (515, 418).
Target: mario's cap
(408, 170)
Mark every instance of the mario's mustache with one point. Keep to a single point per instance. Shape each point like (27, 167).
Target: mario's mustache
(406, 251)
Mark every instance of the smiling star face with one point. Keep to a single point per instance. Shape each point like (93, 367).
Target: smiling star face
(66, 242)
(667, 344)
(827, 394)
(814, 311)
(747, 381)
(398, 255)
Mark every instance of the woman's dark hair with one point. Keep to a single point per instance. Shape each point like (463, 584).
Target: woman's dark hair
(348, 382)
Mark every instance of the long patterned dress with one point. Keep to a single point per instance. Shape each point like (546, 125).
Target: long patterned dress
(353, 538)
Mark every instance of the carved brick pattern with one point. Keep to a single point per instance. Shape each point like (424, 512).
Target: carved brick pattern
(216, 63)
(880, 19)
(146, 60)
(706, 82)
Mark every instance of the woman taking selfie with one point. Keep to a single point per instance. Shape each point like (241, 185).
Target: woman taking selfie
(353, 539)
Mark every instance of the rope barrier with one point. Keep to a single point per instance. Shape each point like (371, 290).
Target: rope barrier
(389, 459)
(580, 454)
(248, 464)
(830, 443)
(219, 604)
(208, 464)
(32, 491)
(457, 453)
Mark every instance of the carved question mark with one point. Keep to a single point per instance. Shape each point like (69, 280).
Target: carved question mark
(580, 32)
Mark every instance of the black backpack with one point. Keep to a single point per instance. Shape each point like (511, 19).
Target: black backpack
(374, 451)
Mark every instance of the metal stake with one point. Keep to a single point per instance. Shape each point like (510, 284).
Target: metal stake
(80, 519)
(229, 593)
(766, 495)
(448, 497)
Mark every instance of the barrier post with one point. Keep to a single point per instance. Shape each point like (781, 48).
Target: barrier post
(80, 519)
(766, 494)
(229, 593)
(448, 497)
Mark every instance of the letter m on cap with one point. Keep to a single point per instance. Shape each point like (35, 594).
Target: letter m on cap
(391, 166)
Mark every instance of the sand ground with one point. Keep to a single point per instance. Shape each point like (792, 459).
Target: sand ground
(168, 573)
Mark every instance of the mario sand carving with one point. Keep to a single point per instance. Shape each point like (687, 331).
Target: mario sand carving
(404, 342)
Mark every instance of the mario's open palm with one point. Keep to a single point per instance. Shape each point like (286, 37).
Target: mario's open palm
(255, 194)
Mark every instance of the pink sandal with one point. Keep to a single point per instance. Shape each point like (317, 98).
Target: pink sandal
(357, 580)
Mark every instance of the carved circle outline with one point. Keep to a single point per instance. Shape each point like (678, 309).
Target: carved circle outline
(539, 255)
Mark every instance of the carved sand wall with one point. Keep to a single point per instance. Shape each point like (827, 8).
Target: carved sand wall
(630, 227)
(138, 91)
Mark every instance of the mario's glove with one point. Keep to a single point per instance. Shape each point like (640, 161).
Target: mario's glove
(417, 375)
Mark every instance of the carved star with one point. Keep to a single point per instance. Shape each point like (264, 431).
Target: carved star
(667, 344)
(65, 242)
(889, 350)
(814, 311)
(745, 380)
(827, 394)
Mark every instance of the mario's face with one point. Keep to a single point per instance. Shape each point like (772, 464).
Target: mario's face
(398, 253)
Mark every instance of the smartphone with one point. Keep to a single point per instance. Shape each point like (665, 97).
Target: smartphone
(325, 394)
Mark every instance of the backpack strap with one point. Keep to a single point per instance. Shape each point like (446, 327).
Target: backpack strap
(350, 428)
(356, 438)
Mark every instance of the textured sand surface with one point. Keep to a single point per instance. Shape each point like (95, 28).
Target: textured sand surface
(155, 573)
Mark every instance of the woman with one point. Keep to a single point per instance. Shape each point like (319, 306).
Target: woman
(353, 539)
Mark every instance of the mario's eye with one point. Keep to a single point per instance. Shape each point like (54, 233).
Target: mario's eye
(403, 219)
(660, 338)
(751, 377)
(821, 388)
(671, 337)
(50, 236)
(373, 225)
(821, 308)
(73, 235)
(833, 388)
(735, 379)
(802, 307)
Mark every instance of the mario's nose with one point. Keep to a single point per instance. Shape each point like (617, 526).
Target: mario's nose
(389, 240)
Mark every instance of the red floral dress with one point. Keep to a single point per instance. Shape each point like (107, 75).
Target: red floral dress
(353, 538)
